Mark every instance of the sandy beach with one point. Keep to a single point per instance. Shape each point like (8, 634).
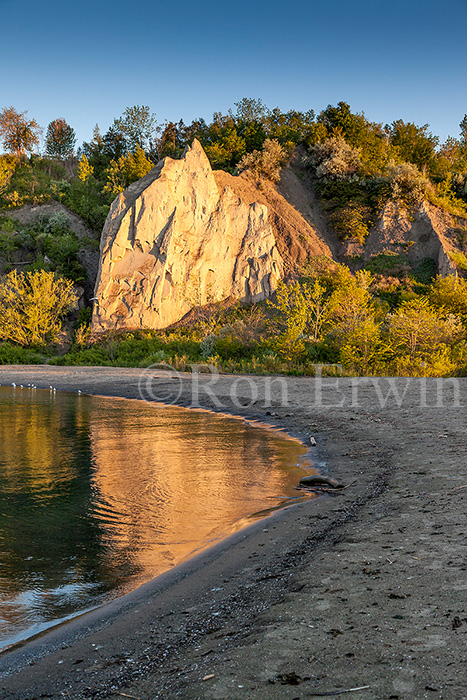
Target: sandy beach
(364, 591)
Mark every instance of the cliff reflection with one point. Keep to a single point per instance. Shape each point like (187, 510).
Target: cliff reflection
(170, 481)
(97, 495)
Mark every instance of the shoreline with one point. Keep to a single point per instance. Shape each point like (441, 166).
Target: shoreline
(245, 611)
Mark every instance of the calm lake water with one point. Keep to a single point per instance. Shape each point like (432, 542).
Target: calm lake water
(98, 495)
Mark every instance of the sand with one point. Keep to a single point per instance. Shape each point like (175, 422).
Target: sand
(364, 589)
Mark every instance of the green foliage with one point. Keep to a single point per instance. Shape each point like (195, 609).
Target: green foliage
(126, 170)
(423, 338)
(139, 127)
(11, 354)
(60, 139)
(414, 144)
(32, 305)
(389, 264)
(425, 271)
(459, 259)
(352, 221)
(449, 295)
(49, 241)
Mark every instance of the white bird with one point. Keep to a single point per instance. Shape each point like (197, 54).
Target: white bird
(13, 385)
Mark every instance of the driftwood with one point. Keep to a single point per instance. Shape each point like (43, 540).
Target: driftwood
(338, 692)
(317, 482)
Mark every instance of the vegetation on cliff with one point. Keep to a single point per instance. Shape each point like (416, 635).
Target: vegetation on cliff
(391, 317)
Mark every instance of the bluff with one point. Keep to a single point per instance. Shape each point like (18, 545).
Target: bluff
(175, 240)
(424, 232)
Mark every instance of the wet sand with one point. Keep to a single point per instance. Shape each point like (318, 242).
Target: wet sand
(364, 588)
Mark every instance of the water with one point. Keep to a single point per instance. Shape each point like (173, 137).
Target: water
(98, 495)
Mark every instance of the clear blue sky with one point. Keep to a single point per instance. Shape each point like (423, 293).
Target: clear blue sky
(86, 61)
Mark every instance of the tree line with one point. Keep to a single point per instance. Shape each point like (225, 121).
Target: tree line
(356, 161)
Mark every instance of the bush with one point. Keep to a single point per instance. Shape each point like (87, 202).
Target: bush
(352, 221)
(406, 182)
(32, 305)
(389, 265)
(266, 162)
(16, 355)
(334, 159)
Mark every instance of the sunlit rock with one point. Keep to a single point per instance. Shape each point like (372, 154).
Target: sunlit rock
(174, 240)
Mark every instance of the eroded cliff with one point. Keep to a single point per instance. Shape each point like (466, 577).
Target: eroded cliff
(174, 240)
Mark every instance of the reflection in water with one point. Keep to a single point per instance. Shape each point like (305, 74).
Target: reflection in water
(98, 495)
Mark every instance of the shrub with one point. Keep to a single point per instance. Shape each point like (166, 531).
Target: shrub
(266, 162)
(389, 264)
(334, 159)
(352, 221)
(459, 259)
(406, 182)
(32, 305)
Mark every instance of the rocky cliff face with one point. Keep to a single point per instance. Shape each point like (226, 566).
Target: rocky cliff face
(429, 232)
(174, 240)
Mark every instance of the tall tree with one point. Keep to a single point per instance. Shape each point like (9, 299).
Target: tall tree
(415, 144)
(60, 139)
(139, 127)
(18, 133)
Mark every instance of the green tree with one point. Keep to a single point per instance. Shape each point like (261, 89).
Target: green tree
(250, 109)
(289, 128)
(352, 323)
(417, 330)
(32, 305)
(139, 127)
(302, 312)
(60, 139)
(415, 144)
(18, 133)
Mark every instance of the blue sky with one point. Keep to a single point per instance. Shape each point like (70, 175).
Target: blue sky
(87, 61)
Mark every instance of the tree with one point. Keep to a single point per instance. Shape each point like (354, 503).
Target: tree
(95, 153)
(127, 169)
(352, 324)
(463, 128)
(60, 139)
(85, 170)
(250, 109)
(303, 310)
(18, 134)
(139, 127)
(32, 305)
(418, 330)
(449, 295)
(415, 144)
(114, 144)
